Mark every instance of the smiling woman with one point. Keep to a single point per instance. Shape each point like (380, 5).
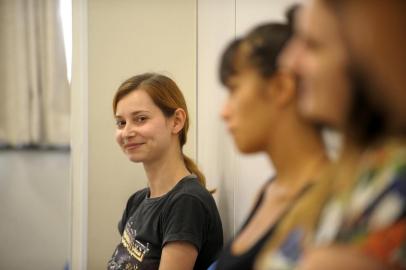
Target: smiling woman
(172, 219)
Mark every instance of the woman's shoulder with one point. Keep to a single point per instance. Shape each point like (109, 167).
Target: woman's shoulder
(132, 203)
(383, 171)
(189, 190)
(390, 155)
(137, 197)
(190, 186)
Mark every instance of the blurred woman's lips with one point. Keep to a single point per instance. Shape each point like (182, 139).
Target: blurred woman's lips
(231, 129)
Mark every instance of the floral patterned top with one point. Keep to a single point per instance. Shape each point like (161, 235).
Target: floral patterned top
(369, 215)
(372, 215)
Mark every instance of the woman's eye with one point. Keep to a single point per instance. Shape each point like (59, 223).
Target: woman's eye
(120, 123)
(140, 119)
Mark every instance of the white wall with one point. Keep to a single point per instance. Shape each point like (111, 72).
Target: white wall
(34, 209)
(237, 177)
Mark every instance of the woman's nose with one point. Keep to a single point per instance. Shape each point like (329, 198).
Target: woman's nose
(225, 112)
(129, 132)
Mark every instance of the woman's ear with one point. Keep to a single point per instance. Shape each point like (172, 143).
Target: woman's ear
(179, 119)
(282, 88)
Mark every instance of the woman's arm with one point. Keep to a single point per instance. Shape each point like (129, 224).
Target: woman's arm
(178, 255)
(338, 258)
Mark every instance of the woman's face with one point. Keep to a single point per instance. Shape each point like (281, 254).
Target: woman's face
(247, 113)
(143, 132)
(318, 57)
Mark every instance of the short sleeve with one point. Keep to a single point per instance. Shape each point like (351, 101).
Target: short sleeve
(186, 219)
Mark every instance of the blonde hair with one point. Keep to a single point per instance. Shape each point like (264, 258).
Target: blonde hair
(167, 96)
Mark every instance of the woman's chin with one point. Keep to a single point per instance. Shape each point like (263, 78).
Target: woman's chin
(135, 159)
(246, 148)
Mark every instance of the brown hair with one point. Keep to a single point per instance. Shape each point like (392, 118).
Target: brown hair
(167, 96)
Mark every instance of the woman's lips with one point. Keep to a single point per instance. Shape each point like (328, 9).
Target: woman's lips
(132, 146)
(231, 129)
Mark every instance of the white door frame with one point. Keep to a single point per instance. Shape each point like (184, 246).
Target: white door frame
(79, 137)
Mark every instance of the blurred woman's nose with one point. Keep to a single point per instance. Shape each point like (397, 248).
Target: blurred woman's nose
(298, 59)
(225, 111)
(290, 58)
(286, 58)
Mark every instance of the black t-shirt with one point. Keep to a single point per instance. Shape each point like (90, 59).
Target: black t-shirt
(186, 213)
(228, 261)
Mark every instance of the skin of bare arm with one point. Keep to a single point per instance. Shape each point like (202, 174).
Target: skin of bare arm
(178, 255)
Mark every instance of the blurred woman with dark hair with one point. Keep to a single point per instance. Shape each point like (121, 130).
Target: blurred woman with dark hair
(261, 115)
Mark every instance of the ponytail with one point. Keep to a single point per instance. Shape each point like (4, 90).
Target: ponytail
(192, 167)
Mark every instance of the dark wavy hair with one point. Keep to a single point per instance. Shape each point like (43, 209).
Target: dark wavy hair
(264, 43)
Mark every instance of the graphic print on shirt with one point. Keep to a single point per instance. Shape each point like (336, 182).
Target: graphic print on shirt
(130, 253)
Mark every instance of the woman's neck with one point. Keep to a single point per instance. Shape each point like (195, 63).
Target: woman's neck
(298, 154)
(300, 169)
(165, 173)
(348, 163)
